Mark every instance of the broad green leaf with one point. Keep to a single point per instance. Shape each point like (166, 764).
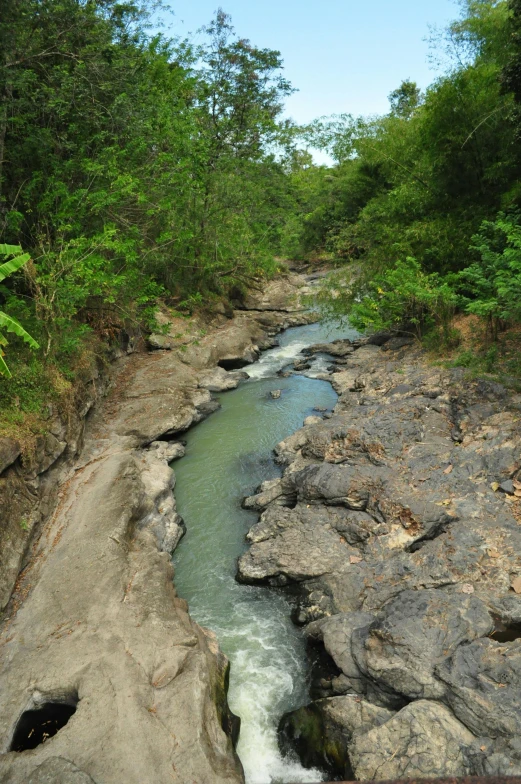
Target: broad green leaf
(8, 323)
(10, 250)
(8, 267)
(4, 370)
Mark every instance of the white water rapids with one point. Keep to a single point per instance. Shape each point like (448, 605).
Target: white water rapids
(228, 455)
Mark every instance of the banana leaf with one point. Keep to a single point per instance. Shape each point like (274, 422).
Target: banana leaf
(4, 370)
(9, 324)
(8, 267)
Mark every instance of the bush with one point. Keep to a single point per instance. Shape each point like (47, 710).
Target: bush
(406, 299)
(491, 288)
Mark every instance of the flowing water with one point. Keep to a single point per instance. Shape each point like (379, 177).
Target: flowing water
(227, 457)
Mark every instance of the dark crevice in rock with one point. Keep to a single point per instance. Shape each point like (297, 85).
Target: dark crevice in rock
(430, 536)
(323, 671)
(309, 743)
(39, 724)
(506, 633)
(234, 364)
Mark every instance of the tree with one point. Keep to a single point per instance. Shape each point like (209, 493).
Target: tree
(405, 99)
(492, 286)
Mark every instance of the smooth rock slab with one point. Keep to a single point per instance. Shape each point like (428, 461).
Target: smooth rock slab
(57, 770)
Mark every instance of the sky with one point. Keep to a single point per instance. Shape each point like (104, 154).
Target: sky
(341, 55)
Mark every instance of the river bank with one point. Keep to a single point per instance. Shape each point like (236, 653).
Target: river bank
(96, 644)
(227, 455)
(397, 522)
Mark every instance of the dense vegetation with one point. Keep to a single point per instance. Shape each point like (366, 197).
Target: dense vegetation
(134, 167)
(422, 205)
(131, 167)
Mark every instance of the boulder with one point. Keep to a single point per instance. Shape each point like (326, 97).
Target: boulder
(320, 733)
(10, 450)
(483, 683)
(220, 380)
(423, 740)
(414, 633)
(158, 342)
(336, 632)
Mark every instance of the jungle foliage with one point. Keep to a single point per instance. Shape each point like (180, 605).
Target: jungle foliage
(421, 208)
(132, 165)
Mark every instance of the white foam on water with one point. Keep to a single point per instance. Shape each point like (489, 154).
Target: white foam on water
(275, 359)
(265, 675)
(267, 652)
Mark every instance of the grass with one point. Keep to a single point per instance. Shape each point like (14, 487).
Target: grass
(40, 390)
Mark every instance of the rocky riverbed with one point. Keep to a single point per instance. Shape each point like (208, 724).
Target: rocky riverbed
(397, 522)
(104, 676)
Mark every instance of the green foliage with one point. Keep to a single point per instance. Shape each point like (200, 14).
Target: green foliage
(492, 286)
(133, 166)
(406, 99)
(436, 181)
(8, 323)
(405, 299)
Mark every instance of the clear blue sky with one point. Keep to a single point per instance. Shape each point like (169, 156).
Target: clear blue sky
(342, 55)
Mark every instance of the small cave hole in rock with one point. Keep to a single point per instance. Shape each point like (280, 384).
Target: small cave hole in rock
(37, 725)
(233, 364)
(503, 633)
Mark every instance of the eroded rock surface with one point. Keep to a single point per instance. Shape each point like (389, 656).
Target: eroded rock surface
(397, 522)
(94, 620)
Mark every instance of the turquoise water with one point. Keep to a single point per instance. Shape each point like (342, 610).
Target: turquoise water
(227, 457)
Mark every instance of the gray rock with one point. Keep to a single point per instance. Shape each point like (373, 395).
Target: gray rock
(335, 485)
(500, 757)
(414, 633)
(289, 546)
(275, 393)
(220, 380)
(423, 740)
(161, 342)
(379, 338)
(167, 450)
(507, 608)
(394, 344)
(271, 491)
(483, 682)
(336, 633)
(57, 770)
(338, 348)
(320, 733)
(10, 450)
(312, 420)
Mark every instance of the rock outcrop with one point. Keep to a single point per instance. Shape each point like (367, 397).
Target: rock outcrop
(104, 676)
(397, 522)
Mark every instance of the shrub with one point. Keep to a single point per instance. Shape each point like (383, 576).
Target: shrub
(491, 287)
(405, 298)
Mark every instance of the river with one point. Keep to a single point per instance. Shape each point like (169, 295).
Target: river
(227, 457)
